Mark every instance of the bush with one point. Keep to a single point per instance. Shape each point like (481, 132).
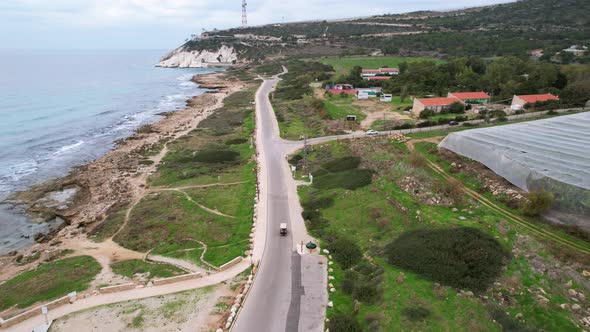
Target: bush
(236, 141)
(462, 257)
(351, 179)
(538, 203)
(216, 156)
(346, 252)
(416, 314)
(342, 164)
(405, 125)
(457, 108)
(427, 123)
(453, 190)
(417, 159)
(425, 114)
(343, 323)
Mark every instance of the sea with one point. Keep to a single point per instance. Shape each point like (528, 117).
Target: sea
(61, 109)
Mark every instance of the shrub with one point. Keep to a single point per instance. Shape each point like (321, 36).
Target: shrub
(453, 190)
(417, 160)
(405, 125)
(457, 108)
(295, 159)
(425, 114)
(416, 314)
(346, 252)
(538, 202)
(216, 156)
(236, 141)
(351, 179)
(426, 123)
(343, 323)
(317, 203)
(462, 257)
(342, 164)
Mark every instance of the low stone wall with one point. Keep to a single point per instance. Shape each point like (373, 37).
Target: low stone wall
(36, 311)
(116, 288)
(231, 263)
(184, 277)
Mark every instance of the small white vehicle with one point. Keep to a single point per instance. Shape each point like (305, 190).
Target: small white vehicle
(283, 229)
(372, 132)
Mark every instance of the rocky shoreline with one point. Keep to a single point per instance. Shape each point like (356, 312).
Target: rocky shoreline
(84, 197)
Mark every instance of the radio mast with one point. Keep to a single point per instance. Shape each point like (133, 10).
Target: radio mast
(244, 15)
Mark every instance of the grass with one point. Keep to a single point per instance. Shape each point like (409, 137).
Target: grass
(109, 227)
(131, 267)
(49, 281)
(345, 64)
(380, 212)
(217, 152)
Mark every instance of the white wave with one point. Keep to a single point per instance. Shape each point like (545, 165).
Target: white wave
(66, 148)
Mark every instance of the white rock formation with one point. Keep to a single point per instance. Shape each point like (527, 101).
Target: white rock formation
(183, 58)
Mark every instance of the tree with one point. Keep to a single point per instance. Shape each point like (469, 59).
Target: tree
(425, 114)
(403, 94)
(539, 202)
(457, 108)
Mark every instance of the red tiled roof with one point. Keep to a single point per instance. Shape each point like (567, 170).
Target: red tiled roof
(437, 101)
(379, 78)
(471, 95)
(339, 91)
(388, 69)
(370, 71)
(537, 98)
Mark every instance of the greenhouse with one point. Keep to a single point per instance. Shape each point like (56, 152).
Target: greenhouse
(551, 154)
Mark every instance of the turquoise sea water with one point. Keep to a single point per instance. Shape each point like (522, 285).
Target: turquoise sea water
(59, 109)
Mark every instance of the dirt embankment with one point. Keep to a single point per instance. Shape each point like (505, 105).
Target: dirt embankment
(84, 197)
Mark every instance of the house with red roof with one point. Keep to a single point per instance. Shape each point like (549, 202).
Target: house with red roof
(532, 99)
(471, 97)
(435, 104)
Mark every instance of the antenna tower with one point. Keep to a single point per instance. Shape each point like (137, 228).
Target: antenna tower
(244, 15)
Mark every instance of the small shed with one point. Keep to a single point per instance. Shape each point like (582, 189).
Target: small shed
(351, 117)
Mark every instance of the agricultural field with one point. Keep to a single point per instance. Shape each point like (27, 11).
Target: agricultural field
(400, 233)
(49, 281)
(201, 197)
(343, 65)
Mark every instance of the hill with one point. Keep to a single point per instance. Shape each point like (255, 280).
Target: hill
(506, 29)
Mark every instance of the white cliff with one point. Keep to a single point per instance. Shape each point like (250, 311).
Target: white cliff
(181, 57)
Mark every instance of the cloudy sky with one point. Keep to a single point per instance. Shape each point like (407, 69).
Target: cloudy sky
(164, 24)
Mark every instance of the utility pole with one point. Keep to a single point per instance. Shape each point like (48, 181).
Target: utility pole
(304, 153)
(244, 14)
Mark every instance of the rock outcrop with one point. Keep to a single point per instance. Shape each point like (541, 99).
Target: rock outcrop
(183, 57)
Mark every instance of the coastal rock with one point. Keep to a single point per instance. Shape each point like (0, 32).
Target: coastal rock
(184, 58)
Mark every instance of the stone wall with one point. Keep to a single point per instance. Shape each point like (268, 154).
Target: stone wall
(184, 277)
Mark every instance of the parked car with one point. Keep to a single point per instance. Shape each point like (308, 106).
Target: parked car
(372, 132)
(453, 123)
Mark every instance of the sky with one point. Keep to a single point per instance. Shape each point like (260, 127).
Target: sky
(165, 24)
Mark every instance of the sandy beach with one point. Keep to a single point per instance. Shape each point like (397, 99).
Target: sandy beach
(84, 197)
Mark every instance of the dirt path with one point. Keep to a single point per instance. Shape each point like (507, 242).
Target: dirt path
(534, 229)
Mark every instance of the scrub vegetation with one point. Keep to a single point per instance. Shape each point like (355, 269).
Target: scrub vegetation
(203, 192)
(412, 252)
(135, 266)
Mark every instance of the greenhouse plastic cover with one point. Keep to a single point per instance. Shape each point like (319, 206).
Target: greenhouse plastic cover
(536, 154)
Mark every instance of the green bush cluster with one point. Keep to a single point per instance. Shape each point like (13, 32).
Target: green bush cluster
(350, 179)
(362, 283)
(236, 141)
(416, 314)
(342, 164)
(345, 251)
(216, 156)
(463, 257)
(344, 323)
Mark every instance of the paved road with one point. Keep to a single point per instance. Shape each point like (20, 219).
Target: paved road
(274, 301)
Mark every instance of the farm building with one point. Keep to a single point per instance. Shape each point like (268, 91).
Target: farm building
(435, 104)
(385, 72)
(531, 99)
(549, 154)
(470, 97)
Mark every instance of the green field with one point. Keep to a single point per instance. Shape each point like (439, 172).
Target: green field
(156, 270)
(345, 64)
(49, 281)
(374, 215)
